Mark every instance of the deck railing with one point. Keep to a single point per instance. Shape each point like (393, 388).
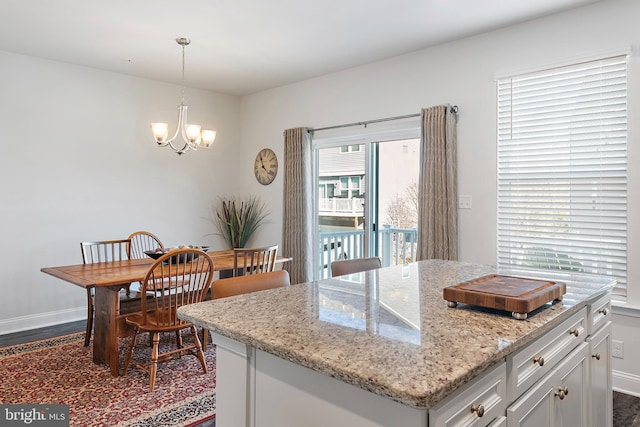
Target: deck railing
(396, 246)
(336, 205)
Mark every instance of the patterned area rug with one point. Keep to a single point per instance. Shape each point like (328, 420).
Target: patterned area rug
(61, 371)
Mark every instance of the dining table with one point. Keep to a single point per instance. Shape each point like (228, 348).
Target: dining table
(112, 305)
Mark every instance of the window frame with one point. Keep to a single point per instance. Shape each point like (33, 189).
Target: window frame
(524, 125)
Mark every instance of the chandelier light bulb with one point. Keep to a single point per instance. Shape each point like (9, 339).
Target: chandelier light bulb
(160, 131)
(208, 137)
(193, 133)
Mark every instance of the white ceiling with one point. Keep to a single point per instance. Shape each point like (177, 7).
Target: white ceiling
(244, 46)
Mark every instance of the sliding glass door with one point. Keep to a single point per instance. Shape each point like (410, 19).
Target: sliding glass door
(395, 203)
(340, 207)
(366, 199)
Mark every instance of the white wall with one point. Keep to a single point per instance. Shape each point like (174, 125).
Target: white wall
(462, 73)
(78, 162)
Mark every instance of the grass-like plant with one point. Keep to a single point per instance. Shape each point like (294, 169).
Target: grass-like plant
(238, 218)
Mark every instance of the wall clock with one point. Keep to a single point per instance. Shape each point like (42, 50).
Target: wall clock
(266, 166)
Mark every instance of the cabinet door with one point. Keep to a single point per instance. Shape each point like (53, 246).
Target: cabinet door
(558, 399)
(535, 407)
(601, 396)
(571, 395)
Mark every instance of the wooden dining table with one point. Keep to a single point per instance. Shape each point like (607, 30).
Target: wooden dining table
(112, 305)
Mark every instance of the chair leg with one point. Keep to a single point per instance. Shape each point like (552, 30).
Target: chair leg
(205, 339)
(154, 361)
(132, 346)
(179, 342)
(87, 335)
(199, 352)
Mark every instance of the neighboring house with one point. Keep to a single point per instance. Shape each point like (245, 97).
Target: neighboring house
(341, 186)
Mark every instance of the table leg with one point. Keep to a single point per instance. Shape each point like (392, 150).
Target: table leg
(105, 328)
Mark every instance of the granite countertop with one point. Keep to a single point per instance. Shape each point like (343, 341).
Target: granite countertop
(389, 331)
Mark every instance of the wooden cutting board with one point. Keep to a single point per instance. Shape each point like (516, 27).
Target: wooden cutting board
(515, 294)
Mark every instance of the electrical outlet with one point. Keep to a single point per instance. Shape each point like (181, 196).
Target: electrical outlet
(464, 202)
(617, 349)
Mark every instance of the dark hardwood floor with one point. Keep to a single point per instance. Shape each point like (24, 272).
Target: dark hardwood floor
(42, 333)
(626, 408)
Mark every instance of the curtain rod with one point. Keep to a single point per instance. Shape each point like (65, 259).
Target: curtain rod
(453, 109)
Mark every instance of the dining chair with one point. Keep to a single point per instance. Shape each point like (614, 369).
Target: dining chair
(101, 251)
(244, 284)
(175, 279)
(249, 261)
(254, 260)
(355, 265)
(231, 286)
(141, 241)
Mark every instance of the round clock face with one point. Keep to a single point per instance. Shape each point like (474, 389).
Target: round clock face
(266, 166)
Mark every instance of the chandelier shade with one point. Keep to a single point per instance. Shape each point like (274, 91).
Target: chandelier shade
(193, 136)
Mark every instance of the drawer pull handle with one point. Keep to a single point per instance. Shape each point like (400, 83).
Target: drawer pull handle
(478, 409)
(604, 311)
(574, 332)
(597, 356)
(562, 392)
(539, 360)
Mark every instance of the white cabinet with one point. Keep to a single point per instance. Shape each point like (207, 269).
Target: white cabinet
(262, 390)
(572, 391)
(601, 386)
(558, 399)
(560, 379)
(478, 404)
(599, 313)
(530, 364)
(563, 378)
(535, 408)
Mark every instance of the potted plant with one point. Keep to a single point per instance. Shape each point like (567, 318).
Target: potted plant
(238, 218)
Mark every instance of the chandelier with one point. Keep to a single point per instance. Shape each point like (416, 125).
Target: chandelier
(192, 135)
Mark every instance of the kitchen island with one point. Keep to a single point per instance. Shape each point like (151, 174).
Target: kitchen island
(382, 348)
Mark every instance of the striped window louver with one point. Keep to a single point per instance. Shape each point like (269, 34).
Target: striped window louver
(562, 170)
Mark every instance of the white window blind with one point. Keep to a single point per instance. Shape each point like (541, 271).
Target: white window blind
(562, 170)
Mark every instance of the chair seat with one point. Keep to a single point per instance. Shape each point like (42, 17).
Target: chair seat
(154, 323)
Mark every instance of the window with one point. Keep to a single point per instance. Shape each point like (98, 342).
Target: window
(562, 170)
(350, 186)
(350, 148)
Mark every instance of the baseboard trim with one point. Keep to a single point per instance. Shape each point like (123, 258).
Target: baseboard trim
(626, 383)
(41, 320)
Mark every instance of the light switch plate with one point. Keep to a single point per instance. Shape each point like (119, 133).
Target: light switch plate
(464, 202)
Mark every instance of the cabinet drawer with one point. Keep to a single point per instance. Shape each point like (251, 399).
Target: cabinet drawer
(599, 313)
(532, 362)
(476, 404)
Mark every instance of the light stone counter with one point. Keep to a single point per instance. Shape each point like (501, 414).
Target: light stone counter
(388, 331)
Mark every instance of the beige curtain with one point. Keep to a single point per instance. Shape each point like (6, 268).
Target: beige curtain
(297, 230)
(437, 185)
